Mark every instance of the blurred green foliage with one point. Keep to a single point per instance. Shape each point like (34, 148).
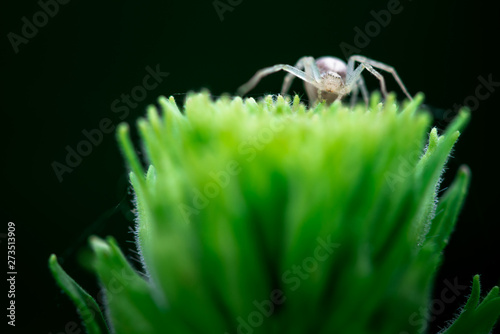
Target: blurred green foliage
(269, 217)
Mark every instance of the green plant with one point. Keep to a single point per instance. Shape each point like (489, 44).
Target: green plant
(266, 217)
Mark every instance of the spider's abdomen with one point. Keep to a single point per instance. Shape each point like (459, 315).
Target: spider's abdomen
(332, 64)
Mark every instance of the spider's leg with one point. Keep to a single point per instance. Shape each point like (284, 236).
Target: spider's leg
(355, 75)
(311, 68)
(364, 91)
(287, 82)
(354, 95)
(352, 77)
(380, 78)
(242, 90)
(383, 67)
(360, 85)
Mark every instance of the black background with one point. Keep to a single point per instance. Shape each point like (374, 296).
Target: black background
(65, 79)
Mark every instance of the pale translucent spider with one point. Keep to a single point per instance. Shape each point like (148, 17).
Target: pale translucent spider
(328, 78)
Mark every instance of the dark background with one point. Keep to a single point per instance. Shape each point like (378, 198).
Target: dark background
(65, 79)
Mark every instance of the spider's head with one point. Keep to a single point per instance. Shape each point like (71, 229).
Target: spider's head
(332, 82)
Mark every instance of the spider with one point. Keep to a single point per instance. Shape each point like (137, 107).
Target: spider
(328, 76)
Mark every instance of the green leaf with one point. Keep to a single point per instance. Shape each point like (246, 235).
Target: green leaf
(86, 305)
(333, 208)
(132, 304)
(448, 209)
(477, 319)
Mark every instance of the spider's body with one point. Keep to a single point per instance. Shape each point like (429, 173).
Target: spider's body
(328, 78)
(333, 73)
